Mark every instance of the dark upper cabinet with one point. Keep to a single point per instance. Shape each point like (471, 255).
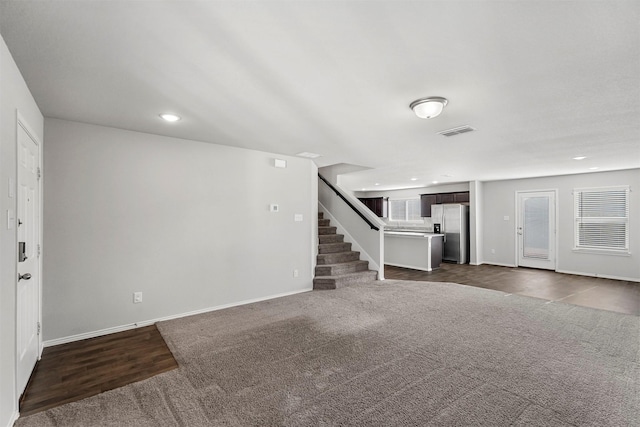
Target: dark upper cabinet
(426, 200)
(444, 198)
(377, 205)
(461, 197)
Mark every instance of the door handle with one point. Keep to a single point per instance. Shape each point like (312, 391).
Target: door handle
(25, 276)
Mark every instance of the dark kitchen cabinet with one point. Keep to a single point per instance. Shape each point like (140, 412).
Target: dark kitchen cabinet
(377, 205)
(442, 198)
(426, 200)
(461, 197)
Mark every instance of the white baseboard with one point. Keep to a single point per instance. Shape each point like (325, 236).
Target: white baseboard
(603, 276)
(140, 324)
(14, 417)
(499, 264)
(413, 267)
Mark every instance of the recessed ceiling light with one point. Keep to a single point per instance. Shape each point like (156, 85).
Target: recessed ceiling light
(414, 179)
(308, 155)
(170, 117)
(580, 158)
(364, 189)
(377, 183)
(594, 168)
(434, 182)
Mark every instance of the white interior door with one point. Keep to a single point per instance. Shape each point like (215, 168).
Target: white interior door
(28, 280)
(537, 229)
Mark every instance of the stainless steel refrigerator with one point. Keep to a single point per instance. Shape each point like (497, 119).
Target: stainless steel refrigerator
(453, 221)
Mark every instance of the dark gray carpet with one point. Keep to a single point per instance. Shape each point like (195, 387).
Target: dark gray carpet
(387, 353)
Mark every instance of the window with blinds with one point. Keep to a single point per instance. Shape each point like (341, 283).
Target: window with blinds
(404, 210)
(602, 218)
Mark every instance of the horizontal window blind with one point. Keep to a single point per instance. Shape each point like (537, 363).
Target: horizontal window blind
(602, 218)
(404, 210)
(397, 210)
(413, 210)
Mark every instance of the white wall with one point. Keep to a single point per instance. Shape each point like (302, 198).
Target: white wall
(333, 173)
(186, 223)
(14, 96)
(476, 231)
(499, 235)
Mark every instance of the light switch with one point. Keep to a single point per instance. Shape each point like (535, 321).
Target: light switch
(279, 163)
(297, 217)
(11, 219)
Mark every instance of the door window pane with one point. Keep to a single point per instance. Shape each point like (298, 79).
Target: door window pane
(536, 227)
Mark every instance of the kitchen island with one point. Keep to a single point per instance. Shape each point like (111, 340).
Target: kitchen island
(413, 249)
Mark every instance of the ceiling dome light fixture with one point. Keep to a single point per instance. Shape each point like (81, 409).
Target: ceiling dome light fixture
(170, 117)
(428, 108)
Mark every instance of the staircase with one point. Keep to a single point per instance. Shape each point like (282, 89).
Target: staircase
(337, 265)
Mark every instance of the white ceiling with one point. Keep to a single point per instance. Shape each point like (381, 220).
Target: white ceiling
(541, 81)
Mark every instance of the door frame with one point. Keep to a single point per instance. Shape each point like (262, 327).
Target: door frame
(21, 122)
(555, 224)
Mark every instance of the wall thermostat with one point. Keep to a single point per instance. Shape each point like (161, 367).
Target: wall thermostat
(274, 208)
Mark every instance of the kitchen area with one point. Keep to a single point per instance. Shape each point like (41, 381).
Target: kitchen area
(424, 231)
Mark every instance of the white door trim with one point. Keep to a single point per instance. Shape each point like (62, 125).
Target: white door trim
(24, 124)
(555, 224)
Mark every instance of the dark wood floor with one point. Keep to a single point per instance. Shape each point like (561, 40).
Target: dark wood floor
(80, 369)
(605, 294)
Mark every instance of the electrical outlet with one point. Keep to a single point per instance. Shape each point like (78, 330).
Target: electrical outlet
(295, 273)
(137, 297)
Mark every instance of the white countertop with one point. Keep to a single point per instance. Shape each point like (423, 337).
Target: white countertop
(411, 233)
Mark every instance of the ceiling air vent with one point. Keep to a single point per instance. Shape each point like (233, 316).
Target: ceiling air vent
(457, 131)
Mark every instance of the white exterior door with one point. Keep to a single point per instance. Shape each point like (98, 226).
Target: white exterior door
(28, 280)
(536, 231)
